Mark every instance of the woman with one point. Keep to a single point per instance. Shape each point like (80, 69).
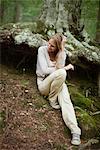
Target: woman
(51, 76)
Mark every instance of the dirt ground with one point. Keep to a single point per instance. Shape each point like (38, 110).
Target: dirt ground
(29, 122)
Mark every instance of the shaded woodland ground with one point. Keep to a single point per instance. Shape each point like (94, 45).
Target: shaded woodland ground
(29, 122)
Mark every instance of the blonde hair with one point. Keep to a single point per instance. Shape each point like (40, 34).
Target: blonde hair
(58, 40)
(58, 37)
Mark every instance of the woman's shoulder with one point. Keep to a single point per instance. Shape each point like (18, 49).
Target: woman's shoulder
(42, 48)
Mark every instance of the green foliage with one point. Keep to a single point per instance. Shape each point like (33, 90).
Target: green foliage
(87, 123)
(25, 83)
(29, 9)
(87, 119)
(84, 108)
(89, 16)
(79, 99)
(97, 121)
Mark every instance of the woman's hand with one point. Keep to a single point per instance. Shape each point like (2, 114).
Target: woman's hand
(63, 42)
(68, 67)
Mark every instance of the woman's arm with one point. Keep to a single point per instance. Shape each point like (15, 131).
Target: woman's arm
(61, 57)
(63, 43)
(68, 67)
(42, 65)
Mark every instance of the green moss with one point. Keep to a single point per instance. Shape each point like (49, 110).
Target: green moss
(40, 27)
(24, 83)
(41, 103)
(66, 131)
(87, 119)
(97, 121)
(6, 26)
(79, 99)
(87, 123)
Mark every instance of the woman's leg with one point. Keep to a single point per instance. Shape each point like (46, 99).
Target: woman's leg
(68, 112)
(52, 85)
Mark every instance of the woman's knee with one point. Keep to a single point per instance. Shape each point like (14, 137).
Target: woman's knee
(62, 74)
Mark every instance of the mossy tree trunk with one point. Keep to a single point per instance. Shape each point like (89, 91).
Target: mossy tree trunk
(63, 15)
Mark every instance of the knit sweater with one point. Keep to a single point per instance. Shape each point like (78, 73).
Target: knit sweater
(44, 65)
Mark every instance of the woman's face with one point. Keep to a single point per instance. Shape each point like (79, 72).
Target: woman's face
(52, 46)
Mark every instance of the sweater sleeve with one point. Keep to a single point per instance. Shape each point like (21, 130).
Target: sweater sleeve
(61, 60)
(42, 66)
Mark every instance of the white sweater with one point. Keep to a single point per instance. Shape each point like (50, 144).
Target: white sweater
(44, 65)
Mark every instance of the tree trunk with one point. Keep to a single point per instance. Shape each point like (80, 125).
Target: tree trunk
(99, 83)
(1, 11)
(17, 13)
(63, 15)
(97, 39)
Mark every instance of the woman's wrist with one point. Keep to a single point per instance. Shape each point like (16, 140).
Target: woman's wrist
(68, 67)
(65, 68)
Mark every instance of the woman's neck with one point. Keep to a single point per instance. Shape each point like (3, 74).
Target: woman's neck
(52, 56)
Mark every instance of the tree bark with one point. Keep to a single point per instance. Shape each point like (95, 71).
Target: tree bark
(1, 10)
(97, 39)
(99, 83)
(17, 13)
(63, 15)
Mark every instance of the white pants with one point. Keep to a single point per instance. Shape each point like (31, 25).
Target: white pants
(55, 88)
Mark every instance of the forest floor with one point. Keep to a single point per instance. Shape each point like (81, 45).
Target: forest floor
(29, 122)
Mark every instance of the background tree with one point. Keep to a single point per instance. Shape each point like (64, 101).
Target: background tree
(17, 13)
(98, 26)
(63, 16)
(89, 16)
(19, 10)
(2, 9)
(30, 9)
